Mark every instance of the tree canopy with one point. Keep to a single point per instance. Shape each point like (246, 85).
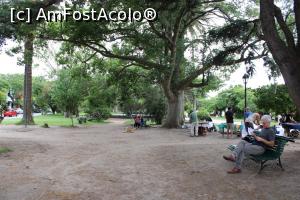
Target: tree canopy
(183, 44)
(182, 49)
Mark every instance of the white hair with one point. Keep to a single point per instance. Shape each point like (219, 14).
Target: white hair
(266, 118)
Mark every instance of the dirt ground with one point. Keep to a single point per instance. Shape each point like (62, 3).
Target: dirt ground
(103, 163)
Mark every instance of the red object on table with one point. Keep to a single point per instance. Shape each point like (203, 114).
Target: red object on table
(11, 113)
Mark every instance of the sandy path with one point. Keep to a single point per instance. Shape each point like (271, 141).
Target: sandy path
(101, 162)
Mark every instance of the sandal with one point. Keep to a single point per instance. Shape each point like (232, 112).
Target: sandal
(234, 171)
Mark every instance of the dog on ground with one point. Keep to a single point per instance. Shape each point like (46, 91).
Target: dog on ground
(129, 129)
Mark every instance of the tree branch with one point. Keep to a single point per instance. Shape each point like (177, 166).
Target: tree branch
(163, 36)
(124, 67)
(192, 20)
(193, 42)
(197, 85)
(203, 83)
(188, 80)
(287, 33)
(143, 62)
(212, 1)
(177, 25)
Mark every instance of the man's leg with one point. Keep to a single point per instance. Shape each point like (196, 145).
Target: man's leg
(196, 129)
(239, 153)
(192, 129)
(247, 149)
(251, 149)
(228, 127)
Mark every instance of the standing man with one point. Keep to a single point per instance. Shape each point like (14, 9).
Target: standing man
(229, 121)
(194, 123)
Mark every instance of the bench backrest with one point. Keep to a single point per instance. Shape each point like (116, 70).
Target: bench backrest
(279, 145)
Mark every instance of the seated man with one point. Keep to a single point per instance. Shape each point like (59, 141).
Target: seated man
(265, 139)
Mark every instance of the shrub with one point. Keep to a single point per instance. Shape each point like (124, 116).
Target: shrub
(203, 114)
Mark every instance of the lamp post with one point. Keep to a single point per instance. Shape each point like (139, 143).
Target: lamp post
(245, 78)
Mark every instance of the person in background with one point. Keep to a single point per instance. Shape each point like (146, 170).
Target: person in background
(137, 121)
(211, 125)
(247, 113)
(194, 123)
(229, 121)
(252, 121)
(256, 118)
(264, 139)
(289, 118)
(142, 121)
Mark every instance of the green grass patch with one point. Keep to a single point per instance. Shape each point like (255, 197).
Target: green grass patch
(4, 150)
(51, 120)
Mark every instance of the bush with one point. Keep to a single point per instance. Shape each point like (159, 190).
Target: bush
(99, 113)
(155, 104)
(203, 114)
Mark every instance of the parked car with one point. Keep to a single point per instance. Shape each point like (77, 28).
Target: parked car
(10, 113)
(19, 111)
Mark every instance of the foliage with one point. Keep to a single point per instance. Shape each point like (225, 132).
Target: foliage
(199, 94)
(101, 97)
(13, 82)
(208, 104)
(43, 96)
(173, 48)
(234, 97)
(202, 114)
(41, 90)
(69, 90)
(155, 103)
(138, 93)
(131, 85)
(2, 102)
(274, 98)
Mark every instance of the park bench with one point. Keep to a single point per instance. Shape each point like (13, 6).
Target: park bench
(273, 153)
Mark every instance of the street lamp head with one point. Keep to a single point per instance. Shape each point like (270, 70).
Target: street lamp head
(245, 77)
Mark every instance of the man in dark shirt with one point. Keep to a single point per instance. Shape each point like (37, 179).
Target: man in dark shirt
(229, 121)
(265, 139)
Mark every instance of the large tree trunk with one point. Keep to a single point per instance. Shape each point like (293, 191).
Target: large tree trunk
(28, 55)
(174, 117)
(286, 56)
(291, 74)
